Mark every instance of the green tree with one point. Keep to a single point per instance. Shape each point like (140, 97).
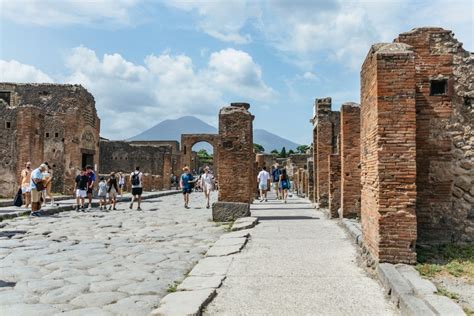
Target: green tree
(283, 153)
(274, 152)
(258, 148)
(302, 149)
(290, 152)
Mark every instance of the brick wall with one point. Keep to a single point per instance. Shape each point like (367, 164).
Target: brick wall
(235, 151)
(350, 160)
(388, 153)
(443, 141)
(334, 166)
(310, 165)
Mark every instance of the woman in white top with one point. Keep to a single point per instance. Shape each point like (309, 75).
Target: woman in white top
(207, 184)
(121, 183)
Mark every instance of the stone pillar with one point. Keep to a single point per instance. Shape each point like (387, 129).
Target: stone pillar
(167, 171)
(235, 152)
(334, 166)
(388, 153)
(310, 179)
(326, 123)
(350, 160)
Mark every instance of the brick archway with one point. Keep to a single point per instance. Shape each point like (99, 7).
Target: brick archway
(189, 140)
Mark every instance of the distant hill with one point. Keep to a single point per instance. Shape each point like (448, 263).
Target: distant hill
(172, 130)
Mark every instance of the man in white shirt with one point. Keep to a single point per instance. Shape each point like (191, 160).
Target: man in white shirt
(263, 179)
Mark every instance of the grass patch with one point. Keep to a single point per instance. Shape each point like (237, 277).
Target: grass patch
(444, 292)
(455, 260)
(172, 287)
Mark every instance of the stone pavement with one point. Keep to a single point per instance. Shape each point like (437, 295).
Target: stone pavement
(297, 262)
(101, 263)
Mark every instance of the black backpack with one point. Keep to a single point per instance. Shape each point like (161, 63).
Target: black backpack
(136, 178)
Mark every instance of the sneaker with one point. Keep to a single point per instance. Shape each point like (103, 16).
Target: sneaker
(100, 208)
(207, 206)
(131, 206)
(261, 200)
(266, 200)
(110, 207)
(114, 209)
(139, 209)
(34, 214)
(89, 207)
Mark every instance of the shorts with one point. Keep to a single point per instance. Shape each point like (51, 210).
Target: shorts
(113, 194)
(102, 196)
(89, 190)
(25, 189)
(35, 196)
(262, 186)
(187, 190)
(275, 186)
(81, 193)
(137, 191)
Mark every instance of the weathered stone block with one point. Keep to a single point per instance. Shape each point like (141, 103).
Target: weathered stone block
(229, 211)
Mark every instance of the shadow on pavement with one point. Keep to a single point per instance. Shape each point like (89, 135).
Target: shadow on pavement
(284, 218)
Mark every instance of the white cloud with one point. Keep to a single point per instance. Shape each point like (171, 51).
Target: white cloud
(309, 76)
(235, 71)
(70, 12)
(132, 97)
(223, 20)
(14, 71)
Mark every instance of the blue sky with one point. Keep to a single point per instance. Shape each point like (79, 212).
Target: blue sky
(146, 61)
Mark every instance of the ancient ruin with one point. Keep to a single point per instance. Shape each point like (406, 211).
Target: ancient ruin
(47, 122)
(402, 161)
(189, 158)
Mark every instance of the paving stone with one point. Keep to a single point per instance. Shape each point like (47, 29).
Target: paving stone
(393, 282)
(86, 311)
(134, 305)
(244, 223)
(11, 297)
(443, 305)
(39, 286)
(224, 250)
(211, 266)
(30, 310)
(230, 241)
(237, 234)
(412, 306)
(184, 303)
(193, 283)
(107, 286)
(63, 294)
(420, 286)
(97, 299)
(143, 288)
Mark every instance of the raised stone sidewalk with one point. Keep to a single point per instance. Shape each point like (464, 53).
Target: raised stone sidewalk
(297, 262)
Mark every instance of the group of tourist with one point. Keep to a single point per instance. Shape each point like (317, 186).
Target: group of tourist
(278, 178)
(205, 181)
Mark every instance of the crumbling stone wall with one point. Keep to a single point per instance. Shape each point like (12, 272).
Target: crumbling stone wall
(310, 165)
(235, 152)
(350, 160)
(444, 136)
(49, 122)
(388, 153)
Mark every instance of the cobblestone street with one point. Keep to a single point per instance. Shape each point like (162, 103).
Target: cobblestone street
(101, 263)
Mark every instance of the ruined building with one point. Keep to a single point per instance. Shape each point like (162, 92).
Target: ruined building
(46, 122)
(405, 156)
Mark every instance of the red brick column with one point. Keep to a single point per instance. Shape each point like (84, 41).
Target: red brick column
(388, 153)
(310, 180)
(334, 166)
(235, 152)
(166, 180)
(350, 160)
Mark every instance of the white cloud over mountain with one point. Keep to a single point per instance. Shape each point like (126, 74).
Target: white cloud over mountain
(132, 96)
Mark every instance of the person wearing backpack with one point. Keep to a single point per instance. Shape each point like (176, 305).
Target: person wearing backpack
(186, 184)
(276, 172)
(284, 185)
(137, 188)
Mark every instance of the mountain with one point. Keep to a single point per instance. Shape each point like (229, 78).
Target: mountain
(270, 141)
(172, 130)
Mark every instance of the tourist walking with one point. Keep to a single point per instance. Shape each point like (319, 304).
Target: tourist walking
(263, 179)
(112, 189)
(137, 187)
(276, 172)
(81, 189)
(284, 184)
(25, 180)
(102, 193)
(207, 184)
(37, 186)
(121, 183)
(186, 184)
(90, 184)
(48, 183)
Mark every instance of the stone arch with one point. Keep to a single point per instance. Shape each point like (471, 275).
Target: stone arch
(189, 140)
